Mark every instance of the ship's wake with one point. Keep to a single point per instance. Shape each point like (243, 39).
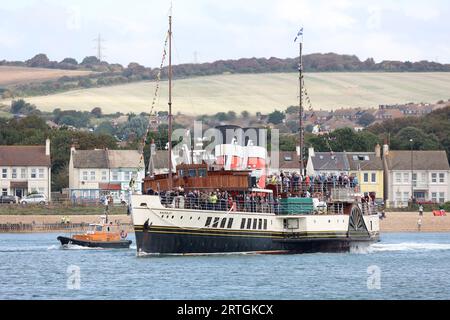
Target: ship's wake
(404, 246)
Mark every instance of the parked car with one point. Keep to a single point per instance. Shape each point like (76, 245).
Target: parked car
(8, 199)
(34, 199)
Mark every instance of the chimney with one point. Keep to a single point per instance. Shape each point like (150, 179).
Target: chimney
(385, 150)
(311, 152)
(47, 147)
(378, 151)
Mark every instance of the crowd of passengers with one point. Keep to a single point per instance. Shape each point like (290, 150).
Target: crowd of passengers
(296, 182)
(219, 201)
(291, 184)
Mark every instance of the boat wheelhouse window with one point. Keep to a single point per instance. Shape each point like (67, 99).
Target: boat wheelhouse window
(208, 221)
(243, 223)
(215, 223)
(223, 222)
(192, 173)
(202, 172)
(249, 223)
(255, 224)
(230, 223)
(265, 224)
(260, 224)
(98, 228)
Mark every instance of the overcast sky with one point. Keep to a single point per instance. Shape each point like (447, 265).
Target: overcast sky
(209, 30)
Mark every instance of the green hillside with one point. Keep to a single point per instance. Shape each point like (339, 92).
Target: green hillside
(258, 92)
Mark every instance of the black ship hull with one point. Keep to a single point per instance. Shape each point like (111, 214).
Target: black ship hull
(122, 244)
(181, 241)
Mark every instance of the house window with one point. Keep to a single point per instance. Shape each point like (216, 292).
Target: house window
(41, 173)
(441, 177)
(366, 177)
(33, 173)
(23, 173)
(434, 177)
(127, 175)
(14, 174)
(398, 196)
(104, 175)
(92, 175)
(374, 177)
(4, 173)
(85, 176)
(414, 179)
(4, 192)
(434, 196)
(115, 176)
(405, 177)
(405, 196)
(398, 178)
(441, 197)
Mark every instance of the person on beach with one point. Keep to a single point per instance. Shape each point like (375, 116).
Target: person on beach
(419, 224)
(420, 210)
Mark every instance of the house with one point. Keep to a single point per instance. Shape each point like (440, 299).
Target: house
(25, 170)
(388, 114)
(288, 162)
(368, 168)
(327, 163)
(422, 175)
(95, 173)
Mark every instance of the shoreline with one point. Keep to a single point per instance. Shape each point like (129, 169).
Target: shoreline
(395, 222)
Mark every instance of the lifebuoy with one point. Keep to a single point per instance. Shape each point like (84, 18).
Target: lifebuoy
(123, 234)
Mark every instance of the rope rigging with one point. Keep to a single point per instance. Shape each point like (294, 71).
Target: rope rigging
(149, 125)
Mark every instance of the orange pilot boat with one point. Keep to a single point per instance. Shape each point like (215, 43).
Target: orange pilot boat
(100, 235)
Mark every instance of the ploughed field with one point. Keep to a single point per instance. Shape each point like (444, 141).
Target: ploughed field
(258, 92)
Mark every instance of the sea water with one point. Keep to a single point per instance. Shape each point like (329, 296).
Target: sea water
(401, 266)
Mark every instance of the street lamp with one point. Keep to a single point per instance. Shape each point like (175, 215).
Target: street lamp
(412, 172)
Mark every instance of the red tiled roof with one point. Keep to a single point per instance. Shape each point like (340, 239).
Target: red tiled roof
(24, 156)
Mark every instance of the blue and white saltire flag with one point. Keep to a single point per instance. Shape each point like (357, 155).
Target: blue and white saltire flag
(300, 33)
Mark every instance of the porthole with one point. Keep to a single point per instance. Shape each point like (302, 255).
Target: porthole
(181, 218)
(173, 217)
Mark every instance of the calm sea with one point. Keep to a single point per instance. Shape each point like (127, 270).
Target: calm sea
(401, 266)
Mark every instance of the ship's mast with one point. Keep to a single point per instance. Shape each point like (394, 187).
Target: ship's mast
(300, 77)
(170, 104)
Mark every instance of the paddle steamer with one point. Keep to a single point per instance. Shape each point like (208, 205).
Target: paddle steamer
(174, 218)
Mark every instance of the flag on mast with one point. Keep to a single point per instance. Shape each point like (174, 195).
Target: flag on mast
(299, 34)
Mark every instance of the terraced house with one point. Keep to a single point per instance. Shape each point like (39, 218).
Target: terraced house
(422, 175)
(25, 170)
(368, 168)
(96, 173)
